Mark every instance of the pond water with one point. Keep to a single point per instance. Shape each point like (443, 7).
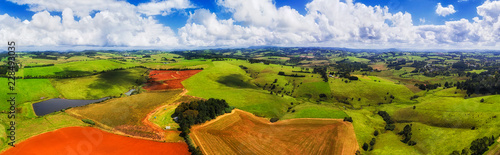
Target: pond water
(53, 105)
(129, 92)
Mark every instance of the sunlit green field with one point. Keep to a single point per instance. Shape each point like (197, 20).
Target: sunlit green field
(236, 89)
(369, 91)
(28, 90)
(78, 68)
(316, 111)
(106, 84)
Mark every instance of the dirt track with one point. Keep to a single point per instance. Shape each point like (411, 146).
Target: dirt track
(157, 129)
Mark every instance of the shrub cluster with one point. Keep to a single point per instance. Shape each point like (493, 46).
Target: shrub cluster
(478, 146)
(88, 121)
(389, 122)
(195, 112)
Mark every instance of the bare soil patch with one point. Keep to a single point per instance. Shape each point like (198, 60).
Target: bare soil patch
(88, 140)
(162, 80)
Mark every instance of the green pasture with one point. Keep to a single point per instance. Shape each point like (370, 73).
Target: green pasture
(27, 90)
(77, 68)
(477, 71)
(365, 123)
(163, 117)
(309, 110)
(111, 83)
(389, 143)
(453, 111)
(226, 81)
(438, 140)
(312, 90)
(370, 90)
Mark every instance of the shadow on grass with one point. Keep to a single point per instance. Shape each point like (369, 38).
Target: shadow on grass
(107, 80)
(235, 80)
(73, 73)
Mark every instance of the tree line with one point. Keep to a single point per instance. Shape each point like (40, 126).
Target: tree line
(477, 147)
(483, 83)
(389, 122)
(322, 72)
(45, 65)
(292, 75)
(83, 74)
(428, 86)
(345, 68)
(196, 112)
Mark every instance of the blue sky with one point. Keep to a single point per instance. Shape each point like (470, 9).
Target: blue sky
(424, 9)
(240, 23)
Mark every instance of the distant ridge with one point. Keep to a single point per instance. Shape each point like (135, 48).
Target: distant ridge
(2, 51)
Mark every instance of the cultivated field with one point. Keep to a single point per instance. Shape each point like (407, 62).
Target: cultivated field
(29, 126)
(243, 133)
(127, 113)
(162, 80)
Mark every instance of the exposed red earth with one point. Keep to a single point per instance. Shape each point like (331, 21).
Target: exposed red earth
(164, 79)
(88, 140)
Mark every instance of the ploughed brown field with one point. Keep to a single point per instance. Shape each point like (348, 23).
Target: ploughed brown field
(162, 80)
(88, 140)
(241, 132)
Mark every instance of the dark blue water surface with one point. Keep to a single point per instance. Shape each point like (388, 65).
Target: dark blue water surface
(53, 105)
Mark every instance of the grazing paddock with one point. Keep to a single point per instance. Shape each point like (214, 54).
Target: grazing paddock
(111, 83)
(28, 90)
(229, 82)
(77, 68)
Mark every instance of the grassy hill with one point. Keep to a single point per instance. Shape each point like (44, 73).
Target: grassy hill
(111, 83)
(238, 91)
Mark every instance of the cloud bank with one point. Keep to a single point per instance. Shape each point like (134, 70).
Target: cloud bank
(445, 11)
(253, 22)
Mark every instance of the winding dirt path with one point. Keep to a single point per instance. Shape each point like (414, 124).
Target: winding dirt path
(157, 129)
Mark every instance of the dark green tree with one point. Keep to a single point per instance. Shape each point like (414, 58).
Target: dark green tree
(365, 147)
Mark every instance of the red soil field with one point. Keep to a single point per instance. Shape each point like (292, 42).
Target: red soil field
(241, 132)
(88, 140)
(162, 80)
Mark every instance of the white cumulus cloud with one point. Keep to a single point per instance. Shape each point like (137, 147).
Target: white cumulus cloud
(164, 7)
(332, 23)
(445, 11)
(422, 20)
(326, 22)
(115, 23)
